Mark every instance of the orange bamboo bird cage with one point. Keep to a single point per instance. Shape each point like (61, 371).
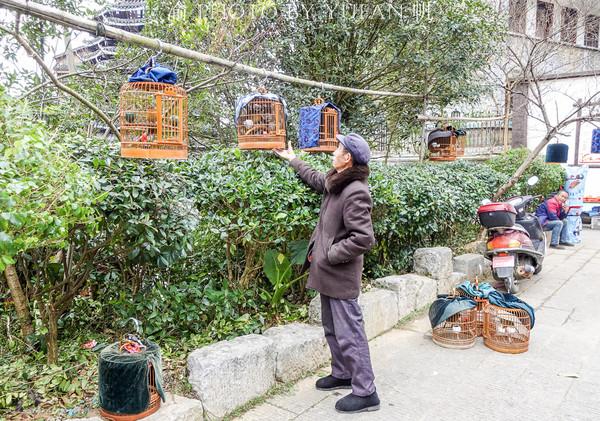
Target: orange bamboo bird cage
(506, 329)
(441, 145)
(153, 121)
(319, 126)
(260, 119)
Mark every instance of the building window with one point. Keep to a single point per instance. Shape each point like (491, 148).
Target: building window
(544, 19)
(592, 30)
(568, 30)
(517, 13)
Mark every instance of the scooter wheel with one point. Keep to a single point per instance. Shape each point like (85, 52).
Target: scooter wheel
(538, 269)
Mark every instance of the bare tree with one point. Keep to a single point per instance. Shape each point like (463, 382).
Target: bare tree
(537, 52)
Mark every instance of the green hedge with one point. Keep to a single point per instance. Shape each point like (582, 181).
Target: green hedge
(551, 176)
(252, 201)
(246, 203)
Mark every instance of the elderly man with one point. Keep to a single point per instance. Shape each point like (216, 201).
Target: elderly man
(551, 214)
(343, 234)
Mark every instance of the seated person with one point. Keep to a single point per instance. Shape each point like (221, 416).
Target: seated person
(551, 214)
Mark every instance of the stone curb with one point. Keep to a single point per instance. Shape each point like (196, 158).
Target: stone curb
(299, 348)
(228, 374)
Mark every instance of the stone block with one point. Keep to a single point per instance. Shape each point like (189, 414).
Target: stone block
(455, 279)
(178, 408)
(300, 348)
(470, 264)
(433, 262)
(314, 310)
(412, 291)
(228, 374)
(595, 225)
(380, 311)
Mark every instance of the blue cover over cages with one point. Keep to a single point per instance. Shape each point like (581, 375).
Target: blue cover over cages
(319, 125)
(152, 71)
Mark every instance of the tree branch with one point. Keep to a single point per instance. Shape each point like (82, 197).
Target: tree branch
(207, 81)
(80, 73)
(54, 79)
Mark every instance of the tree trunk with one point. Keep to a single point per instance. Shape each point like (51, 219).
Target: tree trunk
(52, 335)
(250, 267)
(21, 306)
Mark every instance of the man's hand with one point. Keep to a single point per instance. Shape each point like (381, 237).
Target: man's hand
(287, 154)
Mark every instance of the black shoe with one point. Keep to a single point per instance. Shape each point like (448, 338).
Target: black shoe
(567, 244)
(333, 383)
(353, 403)
(556, 246)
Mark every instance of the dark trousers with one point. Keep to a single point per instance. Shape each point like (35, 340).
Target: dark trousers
(345, 334)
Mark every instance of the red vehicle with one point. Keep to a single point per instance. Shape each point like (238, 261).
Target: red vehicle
(516, 243)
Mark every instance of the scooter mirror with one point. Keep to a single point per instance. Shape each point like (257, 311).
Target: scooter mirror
(486, 201)
(533, 180)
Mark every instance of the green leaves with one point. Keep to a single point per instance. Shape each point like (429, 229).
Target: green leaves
(44, 194)
(298, 250)
(551, 176)
(277, 267)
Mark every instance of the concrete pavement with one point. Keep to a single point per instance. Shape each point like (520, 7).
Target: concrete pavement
(557, 379)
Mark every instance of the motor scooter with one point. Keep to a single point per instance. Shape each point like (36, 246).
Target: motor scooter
(516, 244)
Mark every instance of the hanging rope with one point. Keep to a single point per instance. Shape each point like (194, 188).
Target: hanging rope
(87, 25)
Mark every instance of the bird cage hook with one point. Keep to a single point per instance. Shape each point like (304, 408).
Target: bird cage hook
(152, 59)
(261, 85)
(322, 90)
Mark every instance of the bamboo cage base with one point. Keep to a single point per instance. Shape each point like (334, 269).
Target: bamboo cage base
(258, 144)
(163, 152)
(324, 146)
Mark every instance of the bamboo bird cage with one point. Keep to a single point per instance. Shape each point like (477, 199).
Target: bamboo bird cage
(458, 331)
(328, 127)
(261, 122)
(442, 145)
(153, 121)
(506, 330)
(481, 303)
(153, 405)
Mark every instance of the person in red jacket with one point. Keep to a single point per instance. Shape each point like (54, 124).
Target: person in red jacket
(551, 214)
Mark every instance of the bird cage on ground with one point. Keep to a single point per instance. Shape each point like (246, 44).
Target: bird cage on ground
(153, 121)
(481, 304)
(260, 119)
(319, 126)
(458, 331)
(441, 145)
(507, 330)
(129, 382)
(453, 321)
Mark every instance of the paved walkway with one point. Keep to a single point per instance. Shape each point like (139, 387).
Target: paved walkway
(557, 379)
